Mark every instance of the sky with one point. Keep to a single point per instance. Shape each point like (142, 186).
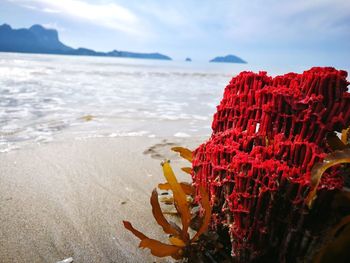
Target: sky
(280, 32)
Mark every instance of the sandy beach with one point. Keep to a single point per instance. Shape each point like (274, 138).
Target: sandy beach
(81, 141)
(68, 198)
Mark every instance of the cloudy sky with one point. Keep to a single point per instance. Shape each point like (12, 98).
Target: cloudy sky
(281, 32)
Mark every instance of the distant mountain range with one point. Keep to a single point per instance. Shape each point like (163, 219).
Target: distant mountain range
(38, 39)
(228, 59)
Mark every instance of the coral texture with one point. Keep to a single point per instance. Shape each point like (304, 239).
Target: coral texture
(267, 135)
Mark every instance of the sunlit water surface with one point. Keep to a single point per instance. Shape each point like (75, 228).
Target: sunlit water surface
(45, 97)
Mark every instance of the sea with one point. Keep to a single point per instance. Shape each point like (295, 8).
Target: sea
(44, 98)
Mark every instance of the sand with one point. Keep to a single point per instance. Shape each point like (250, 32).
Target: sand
(68, 198)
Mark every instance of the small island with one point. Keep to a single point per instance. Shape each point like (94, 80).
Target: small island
(228, 59)
(188, 59)
(40, 40)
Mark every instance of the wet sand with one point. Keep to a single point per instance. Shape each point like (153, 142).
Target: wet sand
(68, 199)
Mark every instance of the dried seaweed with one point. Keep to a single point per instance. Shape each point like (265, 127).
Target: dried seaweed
(180, 199)
(187, 170)
(206, 220)
(181, 244)
(186, 187)
(345, 135)
(335, 158)
(184, 153)
(335, 143)
(158, 215)
(337, 241)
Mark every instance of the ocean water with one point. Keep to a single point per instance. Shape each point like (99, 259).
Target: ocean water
(46, 97)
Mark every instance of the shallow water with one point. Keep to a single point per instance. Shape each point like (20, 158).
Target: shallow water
(45, 96)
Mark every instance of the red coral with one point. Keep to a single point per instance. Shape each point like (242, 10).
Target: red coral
(267, 135)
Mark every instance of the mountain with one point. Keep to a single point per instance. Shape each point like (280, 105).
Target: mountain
(228, 59)
(33, 40)
(38, 39)
(126, 54)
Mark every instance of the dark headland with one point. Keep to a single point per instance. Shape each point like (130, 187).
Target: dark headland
(228, 59)
(38, 39)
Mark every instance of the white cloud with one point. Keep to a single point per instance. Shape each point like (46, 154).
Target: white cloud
(108, 15)
(295, 20)
(54, 26)
(49, 10)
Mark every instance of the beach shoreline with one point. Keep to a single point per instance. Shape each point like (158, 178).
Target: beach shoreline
(68, 198)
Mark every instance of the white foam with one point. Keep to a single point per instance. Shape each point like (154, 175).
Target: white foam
(199, 117)
(7, 147)
(182, 135)
(128, 134)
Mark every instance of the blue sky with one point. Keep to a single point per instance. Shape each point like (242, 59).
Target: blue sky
(281, 32)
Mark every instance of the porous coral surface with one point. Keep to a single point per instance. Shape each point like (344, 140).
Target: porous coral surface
(268, 132)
